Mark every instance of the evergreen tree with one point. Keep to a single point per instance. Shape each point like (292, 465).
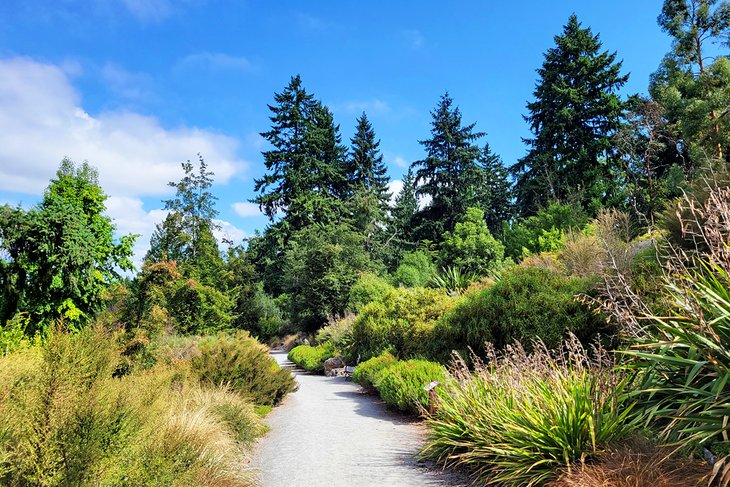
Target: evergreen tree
(450, 175)
(496, 191)
(306, 165)
(693, 23)
(61, 254)
(400, 231)
(696, 94)
(575, 112)
(365, 169)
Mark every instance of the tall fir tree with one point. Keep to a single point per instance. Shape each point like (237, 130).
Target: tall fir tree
(450, 175)
(496, 193)
(400, 228)
(575, 112)
(365, 167)
(306, 165)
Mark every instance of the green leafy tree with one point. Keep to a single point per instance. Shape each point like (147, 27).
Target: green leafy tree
(471, 247)
(322, 264)
(186, 234)
(450, 175)
(61, 254)
(574, 114)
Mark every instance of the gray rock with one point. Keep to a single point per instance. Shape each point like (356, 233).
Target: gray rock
(333, 365)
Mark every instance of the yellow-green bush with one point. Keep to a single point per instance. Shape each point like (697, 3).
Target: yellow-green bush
(401, 322)
(526, 304)
(311, 358)
(369, 287)
(244, 365)
(68, 418)
(367, 373)
(401, 385)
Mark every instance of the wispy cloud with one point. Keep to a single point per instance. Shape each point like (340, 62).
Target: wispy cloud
(310, 22)
(394, 159)
(42, 120)
(413, 39)
(133, 86)
(246, 209)
(215, 61)
(228, 233)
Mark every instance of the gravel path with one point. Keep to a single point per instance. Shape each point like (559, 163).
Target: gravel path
(330, 434)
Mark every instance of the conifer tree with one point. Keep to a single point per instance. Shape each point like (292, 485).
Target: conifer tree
(450, 175)
(496, 191)
(572, 118)
(306, 165)
(365, 168)
(400, 228)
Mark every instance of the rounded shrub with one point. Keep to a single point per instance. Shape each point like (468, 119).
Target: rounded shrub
(526, 304)
(243, 364)
(401, 385)
(401, 322)
(312, 358)
(367, 373)
(368, 288)
(415, 270)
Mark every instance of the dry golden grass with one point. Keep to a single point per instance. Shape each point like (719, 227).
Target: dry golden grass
(638, 465)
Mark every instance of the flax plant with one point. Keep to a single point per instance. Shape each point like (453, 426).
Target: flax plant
(519, 417)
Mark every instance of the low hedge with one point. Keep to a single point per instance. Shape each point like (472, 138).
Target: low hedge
(311, 358)
(401, 385)
(367, 373)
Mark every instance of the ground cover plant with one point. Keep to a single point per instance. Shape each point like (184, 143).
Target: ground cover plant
(518, 418)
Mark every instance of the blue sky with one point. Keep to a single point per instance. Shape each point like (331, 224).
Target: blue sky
(137, 86)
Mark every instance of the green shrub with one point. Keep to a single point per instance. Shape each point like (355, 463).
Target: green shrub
(242, 364)
(68, 418)
(527, 303)
(520, 418)
(401, 322)
(368, 288)
(311, 358)
(367, 373)
(339, 334)
(415, 270)
(471, 247)
(401, 385)
(542, 232)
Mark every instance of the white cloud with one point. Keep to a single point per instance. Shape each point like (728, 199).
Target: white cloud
(42, 120)
(395, 187)
(130, 216)
(228, 232)
(245, 209)
(216, 61)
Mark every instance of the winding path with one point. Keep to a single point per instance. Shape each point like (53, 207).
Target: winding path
(330, 434)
